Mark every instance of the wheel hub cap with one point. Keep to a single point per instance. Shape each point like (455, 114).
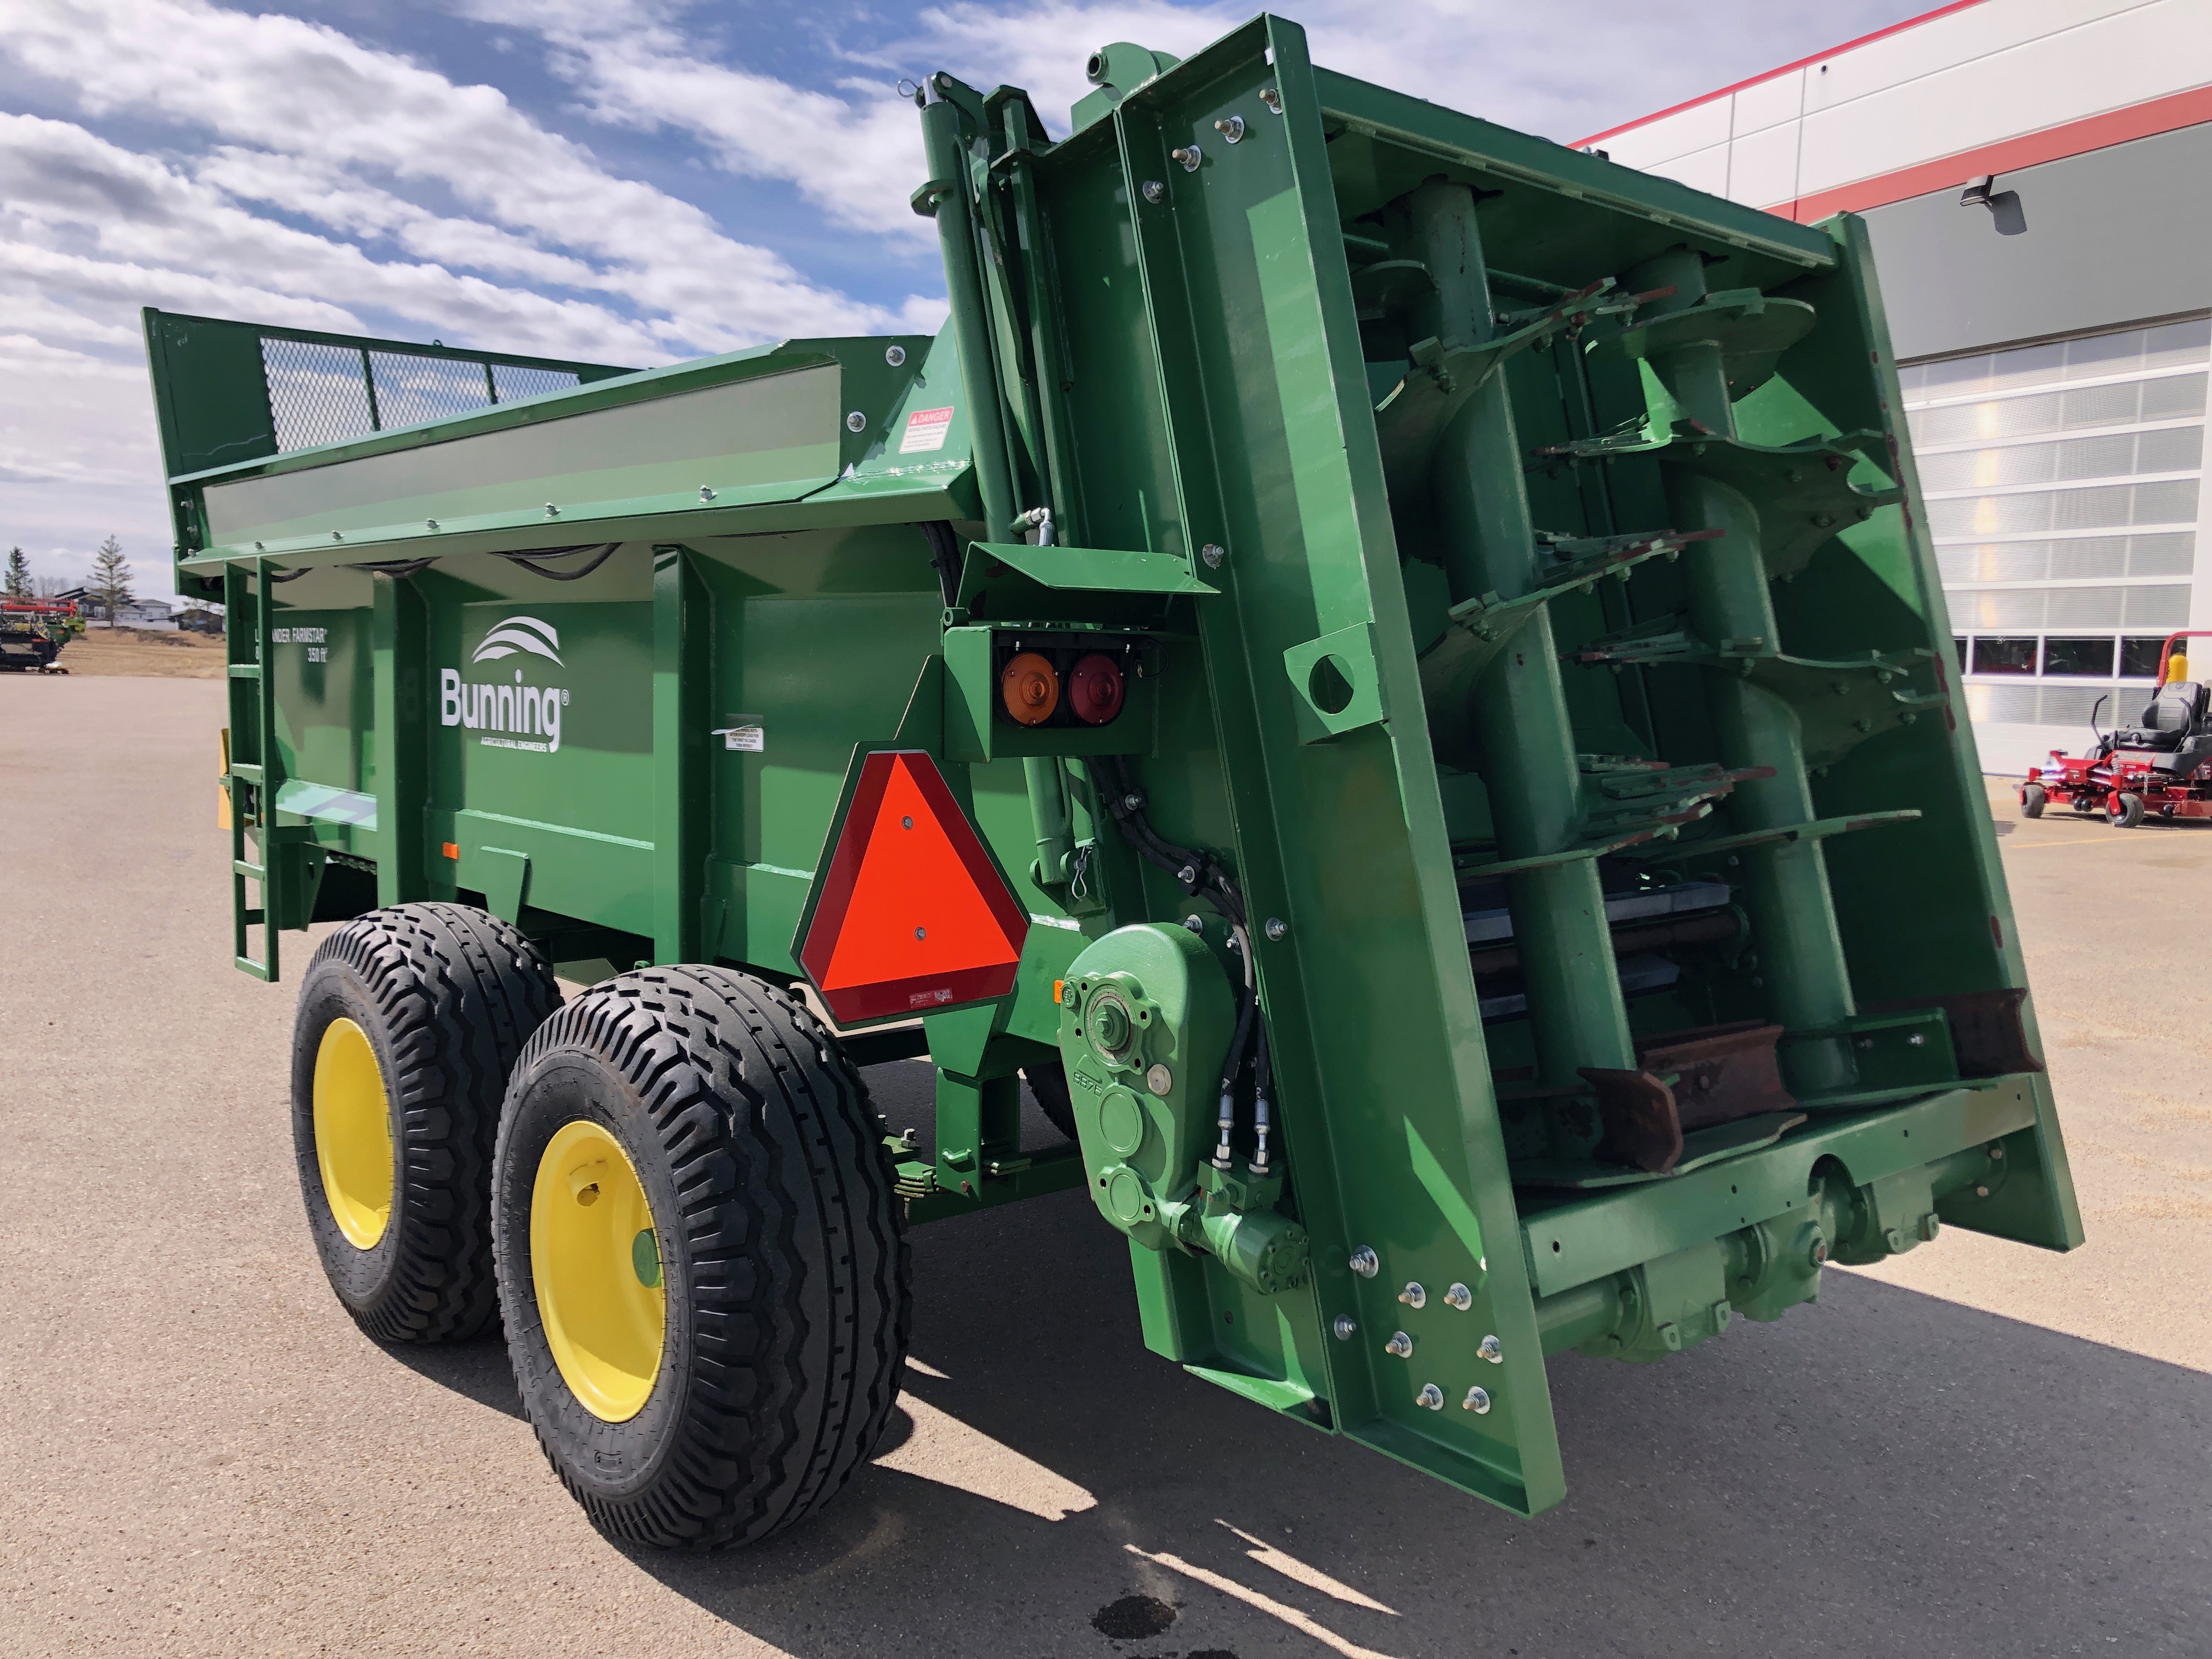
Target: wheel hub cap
(595, 1257)
(352, 1134)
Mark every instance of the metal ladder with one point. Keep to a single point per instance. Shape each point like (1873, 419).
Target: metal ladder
(252, 771)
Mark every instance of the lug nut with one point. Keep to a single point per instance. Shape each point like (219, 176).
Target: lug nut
(1364, 1262)
(1399, 1344)
(1431, 1396)
(1413, 1297)
(1460, 1296)
(1477, 1400)
(1490, 1350)
(1344, 1327)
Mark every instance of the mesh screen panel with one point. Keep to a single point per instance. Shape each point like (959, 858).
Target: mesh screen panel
(320, 394)
(515, 381)
(317, 393)
(410, 388)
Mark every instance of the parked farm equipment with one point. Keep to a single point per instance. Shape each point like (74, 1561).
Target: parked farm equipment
(2160, 768)
(33, 633)
(1382, 662)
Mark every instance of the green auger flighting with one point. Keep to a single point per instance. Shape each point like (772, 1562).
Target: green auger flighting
(1391, 673)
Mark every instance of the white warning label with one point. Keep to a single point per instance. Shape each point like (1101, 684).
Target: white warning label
(926, 429)
(752, 739)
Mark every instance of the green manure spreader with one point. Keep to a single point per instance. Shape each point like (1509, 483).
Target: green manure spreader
(1390, 671)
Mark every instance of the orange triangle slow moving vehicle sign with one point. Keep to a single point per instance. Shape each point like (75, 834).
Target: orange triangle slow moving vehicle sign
(910, 916)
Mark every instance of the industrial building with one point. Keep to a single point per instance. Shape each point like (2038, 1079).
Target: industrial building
(2033, 173)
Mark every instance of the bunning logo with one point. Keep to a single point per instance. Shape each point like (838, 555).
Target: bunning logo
(511, 716)
(520, 634)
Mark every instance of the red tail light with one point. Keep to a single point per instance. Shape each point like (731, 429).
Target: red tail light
(1095, 690)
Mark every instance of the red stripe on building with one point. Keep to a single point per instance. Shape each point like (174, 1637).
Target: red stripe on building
(1817, 57)
(2118, 126)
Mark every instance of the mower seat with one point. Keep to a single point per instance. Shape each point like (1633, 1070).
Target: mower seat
(2170, 718)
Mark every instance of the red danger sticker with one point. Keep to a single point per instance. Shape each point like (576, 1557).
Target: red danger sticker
(926, 429)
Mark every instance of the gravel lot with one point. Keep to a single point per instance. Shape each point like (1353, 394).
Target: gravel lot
(1981, 1449)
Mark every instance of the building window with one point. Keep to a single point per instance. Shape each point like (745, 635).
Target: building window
(2090, 658)
(2139, 657)
(2004, 656)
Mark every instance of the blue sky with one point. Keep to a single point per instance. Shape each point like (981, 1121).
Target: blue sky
(633, 181)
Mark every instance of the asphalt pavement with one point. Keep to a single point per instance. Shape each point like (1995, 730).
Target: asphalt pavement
(1979, 1449)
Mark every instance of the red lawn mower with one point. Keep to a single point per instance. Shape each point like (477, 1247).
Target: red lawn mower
(2163, 766)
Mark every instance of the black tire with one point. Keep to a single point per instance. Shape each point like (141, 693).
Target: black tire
(2031, 800)
(2125, 810)
(787, 1285)
(447, 996)
(1048, 1082)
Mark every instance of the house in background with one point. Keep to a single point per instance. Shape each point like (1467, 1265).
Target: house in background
(2033, 176)
(135, 613)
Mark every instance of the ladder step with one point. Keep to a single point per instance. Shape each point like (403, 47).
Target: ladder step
(246, 772)
(245, 670)
(248, 965)
(252, 918)
(251, 872)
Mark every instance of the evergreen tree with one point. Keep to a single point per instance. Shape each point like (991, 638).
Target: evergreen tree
(19, 574)
(111, 578)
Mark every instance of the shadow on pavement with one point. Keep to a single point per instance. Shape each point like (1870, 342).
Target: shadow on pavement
(1882, 1472)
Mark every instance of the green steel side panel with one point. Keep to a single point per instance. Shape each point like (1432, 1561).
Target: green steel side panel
(1234, 335)
(1927, 905)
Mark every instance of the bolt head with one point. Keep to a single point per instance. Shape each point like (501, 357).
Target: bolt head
(1981, 1192)
(1133, 802)
(1399, 1344)
(1272, 98)
(1431, 1396)
(706, 492)
(1155, 191)
(1460, 1296)
(1277, 928)
(1196, 924)
(894, 356)
(1477, 1400)
(1344, 1327)
(1491, 1349)
(432, 523)
(1231, 127)
(1413, 1295)
(1364, 1262)
(1213, 553)
(856, 421)
(1918, 1040)
(551, 511)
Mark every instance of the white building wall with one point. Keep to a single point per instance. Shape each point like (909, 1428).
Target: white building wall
(1956, 82)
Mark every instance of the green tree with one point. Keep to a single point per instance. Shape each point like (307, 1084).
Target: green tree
(19, 574)
(111, 578)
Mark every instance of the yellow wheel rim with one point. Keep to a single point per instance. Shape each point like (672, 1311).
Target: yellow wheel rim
(353, 1133)
(595, 1256)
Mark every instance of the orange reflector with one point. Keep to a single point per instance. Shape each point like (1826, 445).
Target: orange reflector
(911, 915)
(1030, 689)
(1059, 986)
(451, 849)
